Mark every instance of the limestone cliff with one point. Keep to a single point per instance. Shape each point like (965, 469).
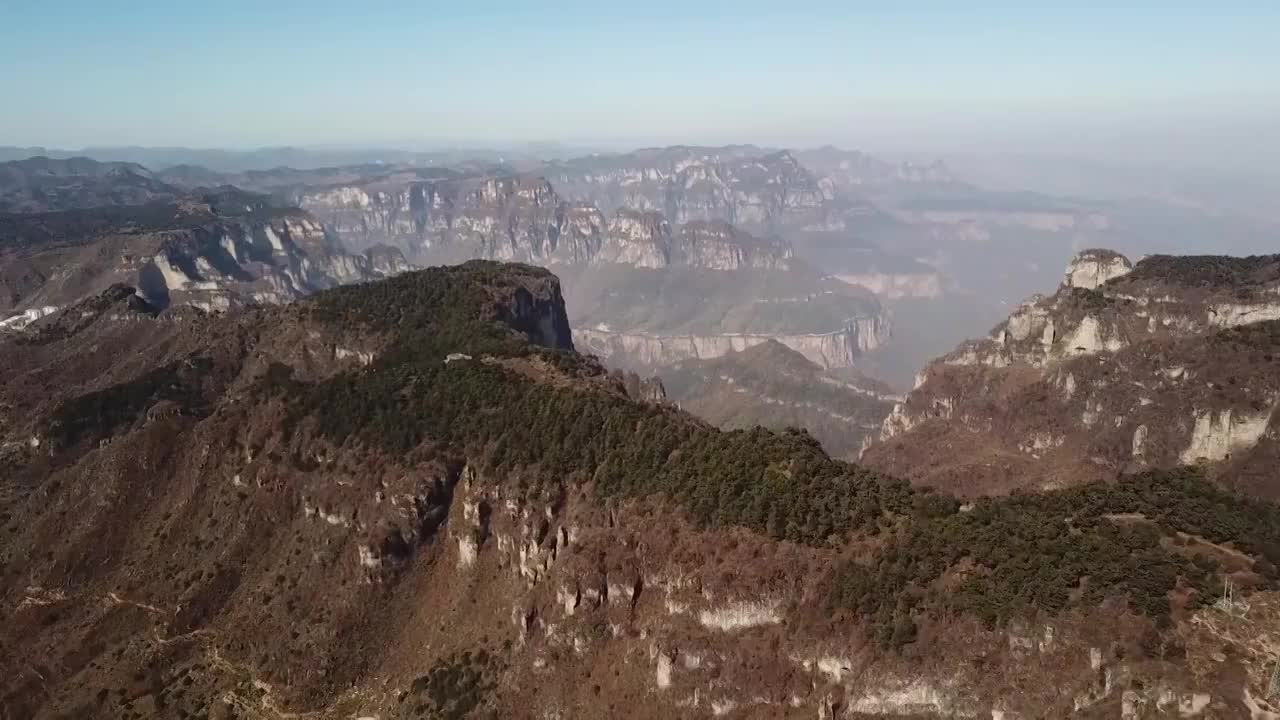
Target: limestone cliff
(740, 185)
(834, 349)
(1093, 268)
(523, 218)
(1157, 364)
(188, 254)
(646, 318)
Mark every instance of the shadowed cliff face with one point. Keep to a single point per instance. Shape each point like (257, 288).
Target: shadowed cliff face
(1157, 364)
(385, 500)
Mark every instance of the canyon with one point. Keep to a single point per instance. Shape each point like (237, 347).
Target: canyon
(576, 219)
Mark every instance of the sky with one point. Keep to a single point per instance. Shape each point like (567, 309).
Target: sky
(1147, 78)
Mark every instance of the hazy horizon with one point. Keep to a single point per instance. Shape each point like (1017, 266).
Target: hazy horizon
(1135, 85)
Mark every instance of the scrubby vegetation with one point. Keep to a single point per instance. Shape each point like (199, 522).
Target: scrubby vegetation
(774, 370)
(438, 311)
(1089, 300)
(999, 559)
(1010, 556)
(454, 687)
(780, 484)
(1263, 337)
(84, 314)
(100, 413)
(1207, 270)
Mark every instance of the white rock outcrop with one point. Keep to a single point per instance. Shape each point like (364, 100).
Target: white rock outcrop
(1091, 269)
(1218, 434)
(26, 317)
(1088, 338)
(740, 615)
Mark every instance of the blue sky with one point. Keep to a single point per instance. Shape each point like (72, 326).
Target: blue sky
(930, 75)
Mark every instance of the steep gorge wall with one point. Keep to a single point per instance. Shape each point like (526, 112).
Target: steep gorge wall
(836, 349)
(522, 218)
(741, 186)
(1125, 367)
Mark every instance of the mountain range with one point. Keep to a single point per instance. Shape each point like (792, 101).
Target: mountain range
(413, 498)
(255, 464)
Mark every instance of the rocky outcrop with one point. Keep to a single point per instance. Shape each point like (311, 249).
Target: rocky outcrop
(1216, 435)
(1093, 268)
(1126, 366)
(1129, 305)
(637, 238)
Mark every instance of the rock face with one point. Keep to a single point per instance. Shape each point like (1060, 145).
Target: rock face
(511, 218)
(1093, 268)
(410, 498)
(648, 318)
(523, 218)
(187, 254)
(1124, 367)
(637, 238)
(836, 349)
(718, 245)
(742, 185)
